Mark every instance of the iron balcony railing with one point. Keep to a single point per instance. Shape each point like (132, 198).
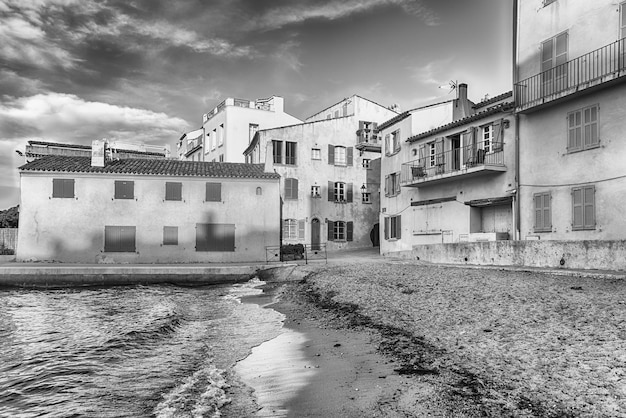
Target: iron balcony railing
(367, 138)
(599, 66)
(456, 160)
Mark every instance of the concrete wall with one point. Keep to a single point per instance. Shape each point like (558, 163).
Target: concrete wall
(600, 255)
(590, 25)
(546, 166)
(72, 230)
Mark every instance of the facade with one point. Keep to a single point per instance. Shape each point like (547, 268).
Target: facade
(330, 174)
(228, 129)
(571, 97)
(117, 149)
(146, 211)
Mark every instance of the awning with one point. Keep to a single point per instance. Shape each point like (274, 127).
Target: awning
(491, 201)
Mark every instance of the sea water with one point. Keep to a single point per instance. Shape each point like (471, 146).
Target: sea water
(127, 351)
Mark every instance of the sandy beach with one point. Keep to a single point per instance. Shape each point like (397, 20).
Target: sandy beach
(396, 338)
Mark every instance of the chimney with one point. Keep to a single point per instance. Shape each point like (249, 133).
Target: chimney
(97, 152)
(462, 106)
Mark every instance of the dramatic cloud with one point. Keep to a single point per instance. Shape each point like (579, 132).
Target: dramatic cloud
(54, 115)
(282, 16)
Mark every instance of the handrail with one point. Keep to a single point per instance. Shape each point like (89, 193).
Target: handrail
(595, 67)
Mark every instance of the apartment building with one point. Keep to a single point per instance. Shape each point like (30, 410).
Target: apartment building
(330, 174)
(570, 63)
(229, 127)
(102, 210)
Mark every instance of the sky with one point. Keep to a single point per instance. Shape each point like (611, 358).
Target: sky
(146, 70)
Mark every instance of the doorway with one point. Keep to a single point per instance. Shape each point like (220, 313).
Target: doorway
(315, 234)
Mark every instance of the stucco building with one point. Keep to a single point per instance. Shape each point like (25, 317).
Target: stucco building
(92, 210)
(228, 129)
(330, 174)
(570, 63)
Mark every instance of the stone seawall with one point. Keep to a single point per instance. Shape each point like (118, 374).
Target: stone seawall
(596, 255)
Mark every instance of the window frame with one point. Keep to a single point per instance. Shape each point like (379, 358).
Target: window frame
(339, 231)
(124, 246)
(316, 153)
(61, 188)
(393, 228)
(366, 197)
(290, 228)
(316, 191)
(392, 184)
(544, 211)
(291, 153)
(292, 188)
(120, 194)
(170, 235)
(580, 125)
(366, 163)
(339, 152)
(585, 207)
(213, 192)
(277, 151)
(340, 191)
(173, 191)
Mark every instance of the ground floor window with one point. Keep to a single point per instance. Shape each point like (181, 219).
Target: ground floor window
(170, 235)
(290, 229)
(119, 239)
(393, 227)
(543, 215)
(584, 207)
(340, 230)
(215, 237)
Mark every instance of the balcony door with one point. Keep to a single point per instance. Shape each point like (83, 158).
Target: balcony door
(554, 64)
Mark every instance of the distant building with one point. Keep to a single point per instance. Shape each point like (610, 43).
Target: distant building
(330, 174)
(228, 129)
(117, 149)
(97, 209)
(570, 68)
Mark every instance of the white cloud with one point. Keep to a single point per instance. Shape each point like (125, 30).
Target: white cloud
(289, 54)
(279, 17)
(68, 118)
(433, 73)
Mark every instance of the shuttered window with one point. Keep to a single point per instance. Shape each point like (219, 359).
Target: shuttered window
(290, 153)
(63, 188)
(393, 227)
(215, 237)
(340, 230)
(173, 191)
(290, 229)
(582, 128)
(291, 188)
(340, 155)
(213, 192)
(170, 235)
(277, 151)
(583, 208)
(124, 189)
(392, 184)
(119, 239)
(543, 213)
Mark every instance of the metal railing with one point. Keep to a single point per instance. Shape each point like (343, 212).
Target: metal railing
(273, 254)
(603, 64)
(455, 160)
(371, 139)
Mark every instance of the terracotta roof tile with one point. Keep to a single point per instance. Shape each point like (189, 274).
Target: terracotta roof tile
(163, 167)
(493, 100)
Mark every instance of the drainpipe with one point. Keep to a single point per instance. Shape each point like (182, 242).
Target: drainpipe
(517, 139)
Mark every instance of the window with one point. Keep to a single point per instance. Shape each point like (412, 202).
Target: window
(487, 138)
(213, 192)
(393, 227)
(345, 109)
(215, 237)
(170, 235)
(366, 197)
(259, 191)
(315, 191)
(340, 231)
(213, 139)
(119, 239)
(253, 128)
(63, 188)
(290, 229)
(124, 189)
(583, 208)
(277, 151)
(291, 188)
(316, 154)
(432, 154)
(392, 184)
(582, 128)
(173, 191)
(366, 163)
(543, 214)
(220, 135)
(553, 55)
(290, 153)
(395, 139)
(221, 158)
(340, 192)
(336, 113)
(340, 155)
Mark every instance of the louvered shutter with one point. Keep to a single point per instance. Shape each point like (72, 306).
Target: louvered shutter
(498, 133)
(387, 186)
(349, 193)
(331, 154)
(294, 188)
(301, 229)
(422, 156)
(361, 125)
(577, 208)
(399, 226)
(124, 189)
(589, 207)
(590, 119)
(288, 189)
(213, 192)
(547, 216)
(397, 183)
(173, 191)
(439, 151)
(387, 228)
(387, 149)
(349, 155)
(349, 230)
(331, 191)
(539, 211)
(331, 231)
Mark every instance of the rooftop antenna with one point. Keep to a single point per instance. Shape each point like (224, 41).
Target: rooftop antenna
(452, 86)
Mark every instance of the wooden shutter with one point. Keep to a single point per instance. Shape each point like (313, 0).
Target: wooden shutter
(119, 239)
(213, 192)
(349, 193)
(387, 149)
(331, 154)
(498, 133)
(331, 231)
(574, 130)
(539, 211)
(577, 208)
(331, 191)
(349, 155)
(439, 156)
(589, 216)
(349, 230)
(422, 156)
(277, 151)
(170, 235)
(294, 188)
(124, 189)
(301, 229)
(590, 120)
(173, 191)
(399, 226)
(361, 125)
(387, 186)
(396, 183)
(57, 187)
(547, 215)
(63, 188)
(387, 228)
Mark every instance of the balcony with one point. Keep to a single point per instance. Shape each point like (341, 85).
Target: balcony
(483, 158)
(585, 72)
(366, 140)
(259, 104)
